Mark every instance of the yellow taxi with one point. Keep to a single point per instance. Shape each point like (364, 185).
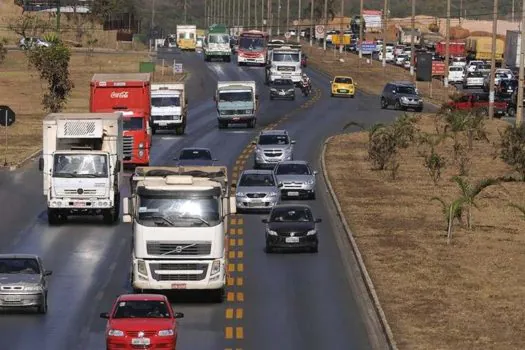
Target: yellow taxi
(343, 86)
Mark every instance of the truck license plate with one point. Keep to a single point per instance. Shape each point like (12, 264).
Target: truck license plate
(12, 298)
(236, 118)
(292, 240)
(79, 204)
(140, 341)
(163, 123)
(293, 194)
(178, 286)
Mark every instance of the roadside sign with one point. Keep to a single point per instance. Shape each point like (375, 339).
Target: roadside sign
(319, 31)
(287, 35)
(177, 68)
(438, 68)
(7, 116)
(368, 47)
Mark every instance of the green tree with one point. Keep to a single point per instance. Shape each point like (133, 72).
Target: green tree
(53, 65)
(470, 192)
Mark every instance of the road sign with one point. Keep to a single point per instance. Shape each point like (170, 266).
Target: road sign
(319, 31)
(296, 23)
(7, 116)
(287, 35)
(177, 68)
(368, 47)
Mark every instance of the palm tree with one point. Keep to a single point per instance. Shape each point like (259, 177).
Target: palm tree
(521, 208)
(469, 193)
(451, 211)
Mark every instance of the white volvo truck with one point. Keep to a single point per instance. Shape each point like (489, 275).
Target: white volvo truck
(169, 107)
(284, 63)
(81, 163)
(179, 217)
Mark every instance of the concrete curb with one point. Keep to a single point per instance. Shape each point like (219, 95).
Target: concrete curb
(26, 160)
(362, 267)
(95, 50)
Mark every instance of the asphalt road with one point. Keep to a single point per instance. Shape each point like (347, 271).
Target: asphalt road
(290, 301)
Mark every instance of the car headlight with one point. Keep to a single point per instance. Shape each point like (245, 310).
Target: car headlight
(291, 90)
(273, 89)
(240, 194)
(310, 182)
(248, 111)
(215, 267)
(404, 99)
(311, 232)
(141, 267)
(271, 233)
(115, 333)
(272, 194)
(33, 288)
(166, 333)
(258, 151)
(141, 145)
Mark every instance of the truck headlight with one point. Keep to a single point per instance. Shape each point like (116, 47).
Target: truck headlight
(115, 333)
(166, 333)
(141, 267)
(247, 111)
(404, 99)
(271, 233)
(215, 267)
(141, 153)
(141, 145)
(311, 233)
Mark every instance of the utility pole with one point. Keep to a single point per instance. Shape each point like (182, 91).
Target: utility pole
(255, 14)
(243, 13)
(519, 112)
(512, 14)
(312, 26)
(239, 13)
(325, 23)
(185, 11)
(385, 28)
(268, 17)
(361, 23)
(447, 46)
(299, 22)
(206, 13)
(412, 48)
(493, 60)
(249, 13)
(59, 5)
(279, 17)
(287, 15)
(342, 36)
(263, 24)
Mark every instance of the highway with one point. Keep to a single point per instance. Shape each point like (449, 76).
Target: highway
(287, 301)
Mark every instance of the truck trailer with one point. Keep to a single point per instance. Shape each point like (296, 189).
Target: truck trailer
(169, 107)
(179, 217)
(81, 163)
(480, 48)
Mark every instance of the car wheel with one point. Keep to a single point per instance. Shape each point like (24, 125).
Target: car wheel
(179, 130)
(268, 249)
(271, 97)
(42, 308)
(384, 104)
(397, 106)
(53, 217)
(217, 295)
(511, 111)
(312, 196)
(352, 96)
(419, 109)
(315, 248)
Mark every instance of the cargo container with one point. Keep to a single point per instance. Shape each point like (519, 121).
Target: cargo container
(512, 49)
(131, 94)
(187, 37)
(455, 48)
(480, 48)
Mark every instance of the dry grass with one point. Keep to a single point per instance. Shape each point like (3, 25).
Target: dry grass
(468, 295)
(370, 76)
(22, 89)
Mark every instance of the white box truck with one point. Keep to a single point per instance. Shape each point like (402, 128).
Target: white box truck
(284, 63)
(179, 217)
(169, 107)
(237, 102)
(81, 163)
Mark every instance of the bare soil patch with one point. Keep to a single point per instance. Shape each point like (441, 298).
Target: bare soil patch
(466, 295)
(22, 89)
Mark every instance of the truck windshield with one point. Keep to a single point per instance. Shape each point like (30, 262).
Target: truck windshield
(252, 44)
(80, 165)
(135, 123)
(285, 57)
(219, 39)
(186, 35)
(165, 101)
(179, 212)
(241, 96)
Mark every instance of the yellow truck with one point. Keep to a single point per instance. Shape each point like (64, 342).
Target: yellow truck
(480, 48)
(187, 37)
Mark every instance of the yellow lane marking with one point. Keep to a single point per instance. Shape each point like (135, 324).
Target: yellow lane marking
(240, 267)
(240, 296)
(230, 281)
(240, 231)
(241, 221)
(233, 243)
(240, 281)
(233, 221)
(231, 267)
(230, 296)
(228, 333)
(240, 254)
(239, 332)
(240, 242)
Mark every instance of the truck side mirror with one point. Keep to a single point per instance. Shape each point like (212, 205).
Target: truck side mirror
(126, 217)
(233, 205)
(256, 97)
(117, 167)
(41, 164)
(186, 101)
(215, 98)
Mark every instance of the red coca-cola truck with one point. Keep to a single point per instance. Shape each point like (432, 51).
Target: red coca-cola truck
(455, 48)
(131, 94)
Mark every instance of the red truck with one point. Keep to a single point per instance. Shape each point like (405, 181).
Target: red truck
(478, 103)
(455, 48)
(131, 94)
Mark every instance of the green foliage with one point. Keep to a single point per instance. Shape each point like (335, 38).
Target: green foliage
(451, 211)
(3, 50)
(53, 65)
(470, 192)
(102, 9)
(432, 160)
(52, 38)
(512, 148)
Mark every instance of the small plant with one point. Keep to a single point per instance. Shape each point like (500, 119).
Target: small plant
(512, 148)
(475, 129)
(435, 164)
(464, 163)
(452, 211)
(470, 192)
(520, 208)
(3, 50)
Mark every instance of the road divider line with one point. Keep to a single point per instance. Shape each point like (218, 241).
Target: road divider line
(239, 332)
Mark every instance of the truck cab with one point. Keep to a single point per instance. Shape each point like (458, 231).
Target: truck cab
(217, 43)
(187, 37)
(237, 102)
(284, 63)
(179, 217)
(169, 107)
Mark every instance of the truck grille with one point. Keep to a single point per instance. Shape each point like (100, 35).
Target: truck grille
(200, 271)
(74, 192)
(166, 117)
(79, 128)
(256, 195)
(127, 146)
(286, 68)
(178, 248)
(234, 112)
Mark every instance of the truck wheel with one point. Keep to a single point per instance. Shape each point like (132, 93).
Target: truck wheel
(251, 123)
(217, 295)
(511, 112)
(107, 216)
(223, 125)
(153, 131)
(228, 59)
(397, 106)
(179, 130)
(53, 217)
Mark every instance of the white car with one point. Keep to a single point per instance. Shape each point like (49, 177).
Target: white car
(473, 80)
(389, 55)
(473, 65)
(398, 50)
(456, 74)
(27, 43)
(500, 74)
(400, 59)
(406, 63)
(459, 62)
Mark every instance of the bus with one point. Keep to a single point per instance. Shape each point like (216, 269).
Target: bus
(253, 46)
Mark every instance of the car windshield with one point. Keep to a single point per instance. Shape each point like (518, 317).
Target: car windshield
(257, 180)
(406, 90)
(187, 210)
(273, 140)
(402, 56)
(456, 69)
(252, 44)
(195, 154)
(285, 57)
(241, 96)
(19, 266)
(484, 66)
(292, 169)
(282, 82)
(80, 165)
(475, 75)
(343, 80)
(141, 309)
(186, 35)
(291, 214)
(165, 101)
(218, 39)
(135, 123)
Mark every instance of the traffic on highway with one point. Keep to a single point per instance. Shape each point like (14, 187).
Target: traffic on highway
(166, 208)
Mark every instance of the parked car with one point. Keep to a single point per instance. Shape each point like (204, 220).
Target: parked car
(389, 55)
(473, 80)
(507, 88)
(459, 62)
(257, 190)
(291, 226)
(195, 157)
(478, 103)
(297, 179)
(141, 321)
(23, 282)
(484, 69)
(473, 65)
(400, 59)
(272, 147)
(456, 74)
(282, 88)
(499, 75)
(29, 43)
(401, 96)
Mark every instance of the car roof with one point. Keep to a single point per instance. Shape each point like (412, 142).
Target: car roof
(126, 297)
(257, 171)
(195, 149)
(274, 132)
(290, 205)
(342, 76)
(293, 162)
(18, 256)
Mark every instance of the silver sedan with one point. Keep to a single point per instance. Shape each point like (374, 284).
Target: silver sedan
(297, 179)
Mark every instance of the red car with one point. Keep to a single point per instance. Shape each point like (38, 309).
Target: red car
(141, 321)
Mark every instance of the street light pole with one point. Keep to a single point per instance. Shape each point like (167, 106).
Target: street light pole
(361, 23)
(325, 23)
(312, 27)
(342, 36)
(299, 22)
(493, 60)
(385, 30)
(519, 110)
(447, 46)
(412, 48)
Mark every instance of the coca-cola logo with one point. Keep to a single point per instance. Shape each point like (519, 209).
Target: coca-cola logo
(122, 94)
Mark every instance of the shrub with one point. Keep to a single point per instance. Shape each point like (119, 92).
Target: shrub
(512, 148)
(3, 50)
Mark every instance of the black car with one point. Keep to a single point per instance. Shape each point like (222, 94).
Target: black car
(195, 157)
(506, 88)
(282, 88)
(291, 226)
